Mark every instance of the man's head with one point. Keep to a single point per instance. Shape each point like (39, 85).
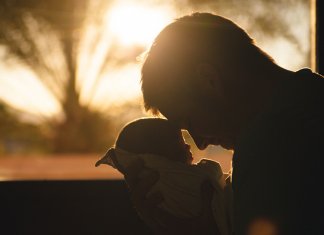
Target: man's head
(154, 136)
(197, 73)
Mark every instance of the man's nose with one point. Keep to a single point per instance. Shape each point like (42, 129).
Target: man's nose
(200, 142)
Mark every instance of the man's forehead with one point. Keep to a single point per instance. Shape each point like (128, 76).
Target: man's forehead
(176, 118)
(173, 113)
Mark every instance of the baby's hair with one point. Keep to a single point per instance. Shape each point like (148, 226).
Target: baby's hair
(148, 136)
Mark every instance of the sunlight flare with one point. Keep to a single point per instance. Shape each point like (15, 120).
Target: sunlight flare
(21, 89)
(119, 86)
(136, 24)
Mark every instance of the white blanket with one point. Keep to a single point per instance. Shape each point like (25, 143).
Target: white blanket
(180, 184)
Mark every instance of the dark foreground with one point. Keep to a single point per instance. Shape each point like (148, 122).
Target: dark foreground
(67, 207)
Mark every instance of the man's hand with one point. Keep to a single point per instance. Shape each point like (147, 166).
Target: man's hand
(139, 188)
(159, 220)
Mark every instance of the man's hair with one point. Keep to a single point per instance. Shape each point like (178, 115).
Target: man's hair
(149, 136)
(198, 38)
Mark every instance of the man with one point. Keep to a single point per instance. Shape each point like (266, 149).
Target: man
(205, 73)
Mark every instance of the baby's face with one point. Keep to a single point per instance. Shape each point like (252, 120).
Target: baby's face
(180, 151)
(187, 153)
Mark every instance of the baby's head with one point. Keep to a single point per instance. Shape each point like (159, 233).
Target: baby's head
(154, 136)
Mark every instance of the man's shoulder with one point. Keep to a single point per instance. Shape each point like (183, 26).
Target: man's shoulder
(290, 124)
(308, 73)
(295, 102)
(306, 81)
(277, 163)
(301, 101)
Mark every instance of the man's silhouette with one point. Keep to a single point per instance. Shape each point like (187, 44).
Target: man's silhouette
(206, 74)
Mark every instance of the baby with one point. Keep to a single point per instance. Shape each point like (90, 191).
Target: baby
(162, 148)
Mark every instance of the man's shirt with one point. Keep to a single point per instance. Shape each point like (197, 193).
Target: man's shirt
(278, 161)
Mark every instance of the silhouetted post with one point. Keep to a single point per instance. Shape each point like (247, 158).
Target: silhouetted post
(319, 36)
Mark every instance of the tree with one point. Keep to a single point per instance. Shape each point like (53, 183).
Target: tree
(15, 134)
(46, 36)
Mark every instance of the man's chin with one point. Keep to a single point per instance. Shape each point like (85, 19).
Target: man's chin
(228, 146)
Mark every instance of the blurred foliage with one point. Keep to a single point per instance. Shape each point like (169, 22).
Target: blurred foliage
(89, 131)
(17, 136)
(46, 37)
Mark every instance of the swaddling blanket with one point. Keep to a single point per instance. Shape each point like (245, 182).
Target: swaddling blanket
(179, 183)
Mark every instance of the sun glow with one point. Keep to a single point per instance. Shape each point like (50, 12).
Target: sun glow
(136, 24)
(25, 92)
(119, 85)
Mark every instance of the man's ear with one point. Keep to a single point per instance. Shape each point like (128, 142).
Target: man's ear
(208, 76)
(209, 80)
(207, 73)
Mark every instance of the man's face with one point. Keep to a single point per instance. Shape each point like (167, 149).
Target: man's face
(207, 124)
